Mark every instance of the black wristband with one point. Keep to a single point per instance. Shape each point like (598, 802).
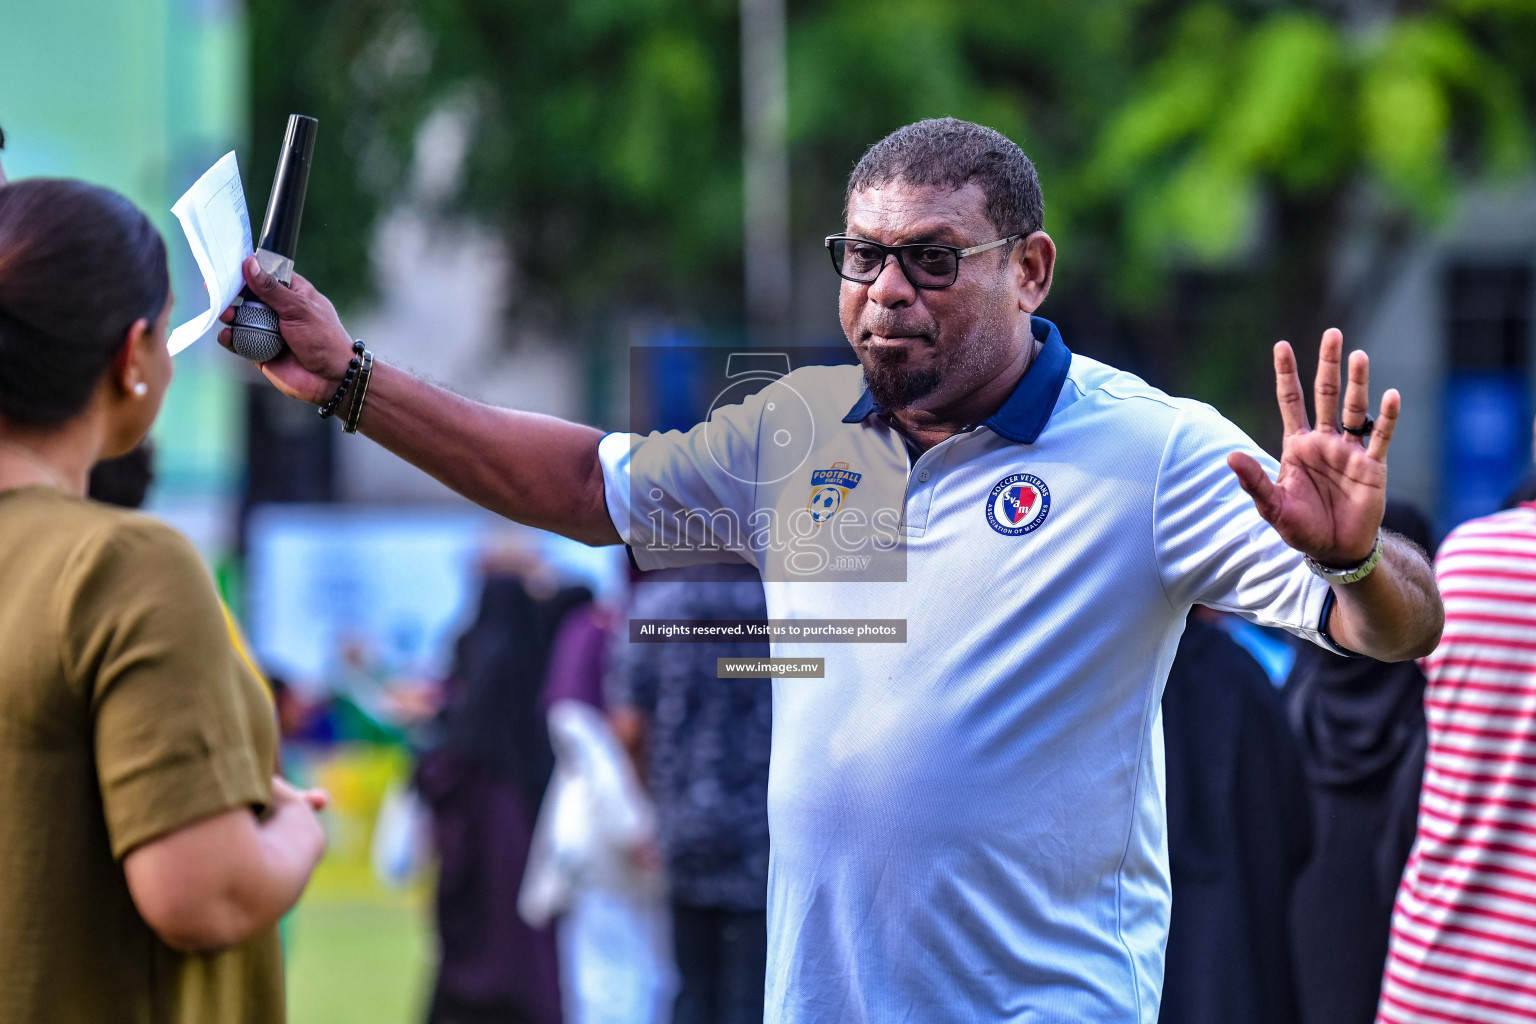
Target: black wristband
(329, 408)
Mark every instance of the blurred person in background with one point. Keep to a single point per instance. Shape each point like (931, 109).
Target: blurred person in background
(149, 849)
(578, 658)
(1359, 724)
(124, 481)
(1238, 835)
(701, 745)
(1461, 934)
(593, 872)
(2, 147)
(1523, 491)
(593, 868)
(483, 782)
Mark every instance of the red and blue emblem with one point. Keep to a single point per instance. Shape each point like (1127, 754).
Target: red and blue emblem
(1018, 505)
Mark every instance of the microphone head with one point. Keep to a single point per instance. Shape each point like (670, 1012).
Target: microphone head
(254, 332)
(285, 207)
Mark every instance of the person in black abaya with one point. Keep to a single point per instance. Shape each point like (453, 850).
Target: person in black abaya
(484, 782)
(1360, 726)
(1238, 835)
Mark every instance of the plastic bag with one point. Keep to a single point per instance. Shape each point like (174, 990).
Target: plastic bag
(402, 836)
(614, 931)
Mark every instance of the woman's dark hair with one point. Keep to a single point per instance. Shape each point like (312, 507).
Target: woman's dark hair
(78, 265)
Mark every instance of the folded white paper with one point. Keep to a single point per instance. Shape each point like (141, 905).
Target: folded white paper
(218, 228)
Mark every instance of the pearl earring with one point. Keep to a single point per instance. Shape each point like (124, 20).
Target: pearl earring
(140, 389)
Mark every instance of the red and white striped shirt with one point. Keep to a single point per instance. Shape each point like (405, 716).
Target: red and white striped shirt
(1464, 926)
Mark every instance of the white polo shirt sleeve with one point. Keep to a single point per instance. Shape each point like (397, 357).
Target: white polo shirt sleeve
(682, 498)
(1211, 544)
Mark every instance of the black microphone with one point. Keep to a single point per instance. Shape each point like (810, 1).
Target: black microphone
(254, 333)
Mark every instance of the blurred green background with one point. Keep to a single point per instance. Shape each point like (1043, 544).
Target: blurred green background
(1205, 164)
(357, 951)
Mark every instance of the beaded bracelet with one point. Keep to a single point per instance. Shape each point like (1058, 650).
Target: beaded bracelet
(329, 408)
(359, 394)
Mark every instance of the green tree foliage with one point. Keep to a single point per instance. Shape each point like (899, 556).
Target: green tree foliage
(1234, 112)
(605, 134)
(1170, 134)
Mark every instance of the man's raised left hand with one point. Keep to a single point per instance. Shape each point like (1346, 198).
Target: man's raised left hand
(1328, 499)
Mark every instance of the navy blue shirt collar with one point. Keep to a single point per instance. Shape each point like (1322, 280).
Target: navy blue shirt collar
(1024, 415)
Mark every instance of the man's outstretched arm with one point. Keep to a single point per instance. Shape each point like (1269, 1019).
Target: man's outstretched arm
(534, 469)
(1394, 611)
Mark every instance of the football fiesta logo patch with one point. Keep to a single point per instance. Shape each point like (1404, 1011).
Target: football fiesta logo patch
(828, 489)
(1018, 505)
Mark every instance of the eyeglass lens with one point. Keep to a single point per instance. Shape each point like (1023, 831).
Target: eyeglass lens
(925, 265)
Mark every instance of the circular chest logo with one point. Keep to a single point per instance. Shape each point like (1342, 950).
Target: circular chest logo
(1019, 503)
(824, 503)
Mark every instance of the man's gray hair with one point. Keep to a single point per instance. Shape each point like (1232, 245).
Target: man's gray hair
(950, 153)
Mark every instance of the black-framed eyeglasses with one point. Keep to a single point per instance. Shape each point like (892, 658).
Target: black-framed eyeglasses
(926, 264)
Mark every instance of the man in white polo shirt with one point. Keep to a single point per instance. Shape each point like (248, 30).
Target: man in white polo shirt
(968, 826)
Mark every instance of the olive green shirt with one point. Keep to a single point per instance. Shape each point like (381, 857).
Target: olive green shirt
(125, 714)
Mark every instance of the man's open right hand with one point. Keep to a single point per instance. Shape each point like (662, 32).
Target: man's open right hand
(319, 347)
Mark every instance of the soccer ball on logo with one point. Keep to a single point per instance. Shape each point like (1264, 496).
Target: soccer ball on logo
(824, 503)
